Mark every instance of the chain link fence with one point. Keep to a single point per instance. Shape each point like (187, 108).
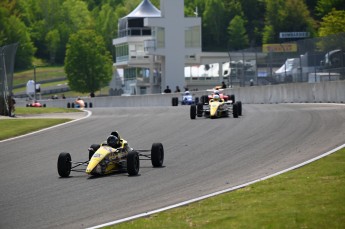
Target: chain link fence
(7, 57)
(308, 60)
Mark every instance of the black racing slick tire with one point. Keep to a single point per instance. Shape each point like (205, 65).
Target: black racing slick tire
(235, 110)
(239, 108)
(192, 111)
(157, 155)
(199, 109)
(133, 163)
(64, 164)
(204, 99)
(93, 148)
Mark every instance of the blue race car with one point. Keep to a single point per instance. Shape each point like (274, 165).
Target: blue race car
(187, 98)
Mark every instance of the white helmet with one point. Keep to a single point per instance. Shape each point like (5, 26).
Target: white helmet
(216, 92)
(216, 97)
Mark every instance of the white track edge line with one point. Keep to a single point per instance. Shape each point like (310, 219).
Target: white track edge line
(89, 113)
(215, 193)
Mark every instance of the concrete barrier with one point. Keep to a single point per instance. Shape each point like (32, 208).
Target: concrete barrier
(325, 92)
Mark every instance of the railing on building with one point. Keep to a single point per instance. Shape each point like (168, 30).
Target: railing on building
(135, 31)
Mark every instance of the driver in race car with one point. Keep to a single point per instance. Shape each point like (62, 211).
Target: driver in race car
(216, 97)
(115, 141)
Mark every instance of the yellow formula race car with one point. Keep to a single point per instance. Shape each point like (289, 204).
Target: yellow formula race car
(114, 155)
(216, 108)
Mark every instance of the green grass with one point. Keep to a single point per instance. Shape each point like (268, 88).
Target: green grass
(310, 197)
(23, 89)
(48, 73)
(16, 127)
(43, 110)
(42, 73)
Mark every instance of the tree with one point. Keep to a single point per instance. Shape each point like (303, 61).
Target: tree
(238, 38)
(13, 30)
(286, 16)
(88, 64)
(214, 23)
(324, 7)
(53, 41)
(106, 24)
(332, 23)
(332, 26)
(252, 14)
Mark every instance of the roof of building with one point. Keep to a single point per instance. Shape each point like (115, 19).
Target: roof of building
(144, 9)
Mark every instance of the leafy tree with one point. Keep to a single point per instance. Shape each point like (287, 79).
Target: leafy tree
(324, 7)
(252, 13)
(13, 30)
(333, 23)
(106, 24)
(238, 38)
(88, 64)
(214, 23)
(53, 41)
(286, 16)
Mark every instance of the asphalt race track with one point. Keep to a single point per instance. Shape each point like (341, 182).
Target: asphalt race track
(201, 156)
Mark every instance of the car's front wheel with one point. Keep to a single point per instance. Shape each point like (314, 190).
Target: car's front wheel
(93, 148)
(157, 154)
(133, 163)
(64, 164)
(192, 111)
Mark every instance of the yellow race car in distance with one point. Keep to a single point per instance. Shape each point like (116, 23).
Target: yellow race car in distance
(216, 108)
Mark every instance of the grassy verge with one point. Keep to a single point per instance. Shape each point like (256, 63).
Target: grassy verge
(42, 110)
(16, 127)
(310, 197)
(42, 73)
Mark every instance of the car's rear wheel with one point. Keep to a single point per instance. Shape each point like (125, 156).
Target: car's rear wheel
(64, 164)
(235, 110)
(204, 99)
(133, 163)
(239, 108)
(93, 148)
(192, 111)
(157, 154)
(199, 109)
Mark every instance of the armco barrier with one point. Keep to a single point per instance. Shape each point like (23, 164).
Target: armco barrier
(325, 92)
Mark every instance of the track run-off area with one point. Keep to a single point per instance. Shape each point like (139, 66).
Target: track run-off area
(202, 156)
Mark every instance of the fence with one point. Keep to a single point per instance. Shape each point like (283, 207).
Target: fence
(7, 56)
(307, 60)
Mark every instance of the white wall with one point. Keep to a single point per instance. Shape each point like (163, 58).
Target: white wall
(325, 92)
